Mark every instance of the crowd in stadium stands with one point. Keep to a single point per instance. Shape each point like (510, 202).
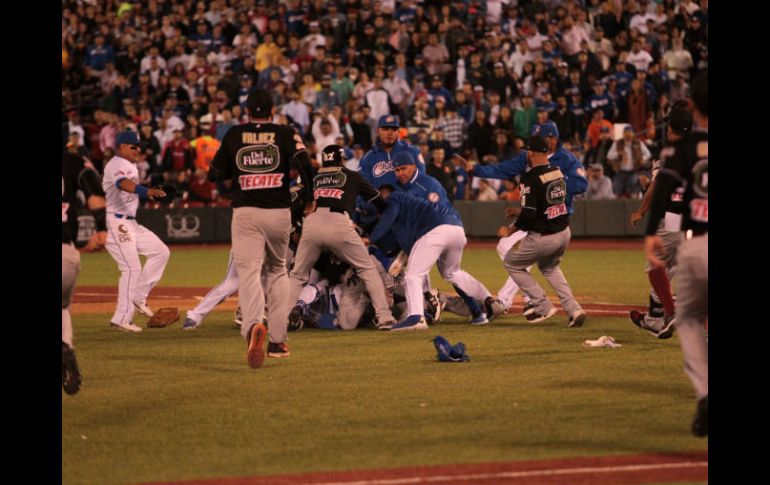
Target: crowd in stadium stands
(465, 77)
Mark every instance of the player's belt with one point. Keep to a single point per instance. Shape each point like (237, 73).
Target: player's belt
(123, 216)
(339, 211)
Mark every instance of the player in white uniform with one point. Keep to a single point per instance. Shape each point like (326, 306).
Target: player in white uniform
(126, 239)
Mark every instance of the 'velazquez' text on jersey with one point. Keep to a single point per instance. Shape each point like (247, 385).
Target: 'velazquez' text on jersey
(257, 158)
(543, 200)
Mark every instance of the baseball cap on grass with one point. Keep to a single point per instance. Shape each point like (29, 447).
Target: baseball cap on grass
(536, 144)
(388, 121)
(259, 103)
(403, 158)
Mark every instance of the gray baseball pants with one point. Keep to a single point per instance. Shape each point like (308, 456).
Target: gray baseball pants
(260, 238)
(70, 267)
(333, 231)
(546, 251)
(692, 310)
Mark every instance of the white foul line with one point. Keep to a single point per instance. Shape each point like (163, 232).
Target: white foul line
(523, 474)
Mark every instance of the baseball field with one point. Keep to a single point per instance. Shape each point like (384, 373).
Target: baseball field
(532, 406)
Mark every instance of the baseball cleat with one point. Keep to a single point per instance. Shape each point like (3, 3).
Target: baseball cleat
(126, 327)
(295, 319)
(528, 310)
(142, 308)
(700, 423)
(256, 353)
(669, 324)
(480, 320)
(577, 319)
(412, 322)
(189, 324)
(70, 374)
(238, 319)
(493, 307)
(535, 317)
(277, 351)
(638, 319)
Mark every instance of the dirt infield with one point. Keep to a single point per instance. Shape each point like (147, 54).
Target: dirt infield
(102, 299)
(603, 470)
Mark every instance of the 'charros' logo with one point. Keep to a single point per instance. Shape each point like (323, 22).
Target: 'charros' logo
(182, 226)
(258, 158)
(123, 235)
(433, 197)
(382, 168)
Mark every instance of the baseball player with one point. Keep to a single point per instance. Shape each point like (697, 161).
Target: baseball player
(660, 319)
(545, 217)
(685, 163)
(257, 157)
(574, 175)
(429, 233)
(127, 239)
(77, 174)
(330, 227)
(377, 165)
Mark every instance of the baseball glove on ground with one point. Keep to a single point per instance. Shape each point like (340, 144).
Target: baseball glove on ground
(447, 352)
(163, 317)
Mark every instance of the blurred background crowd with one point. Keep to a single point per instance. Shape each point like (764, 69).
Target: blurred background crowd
(465, 77)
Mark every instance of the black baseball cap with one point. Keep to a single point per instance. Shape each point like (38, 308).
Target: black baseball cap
(680, 120)
(333, 155)
(536, 144)
(259, 103)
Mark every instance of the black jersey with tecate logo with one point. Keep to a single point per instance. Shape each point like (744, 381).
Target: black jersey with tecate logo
(257, 158)
(687, 160)
(338, 187)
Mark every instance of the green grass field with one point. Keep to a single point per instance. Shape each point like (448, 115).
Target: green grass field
(173, 405)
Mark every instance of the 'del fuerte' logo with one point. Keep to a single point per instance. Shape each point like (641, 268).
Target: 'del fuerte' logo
(182, 226)
(259, 158)
(382, 168)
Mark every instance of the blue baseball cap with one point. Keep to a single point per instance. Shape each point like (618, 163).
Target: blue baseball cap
(128, 138)
(388, 121)
(403, 158)
(545, 129)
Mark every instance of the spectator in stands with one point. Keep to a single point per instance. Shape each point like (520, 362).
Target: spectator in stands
(440, 169)
(599, 185)
(524, 117)
(486, 192)
(626, 156)
(595, 127)
(177, 158)
(510, 192)
(479, 134)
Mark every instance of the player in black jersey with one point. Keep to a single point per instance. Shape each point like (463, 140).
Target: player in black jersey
(257, 157)
(685, 163)
(77, 174)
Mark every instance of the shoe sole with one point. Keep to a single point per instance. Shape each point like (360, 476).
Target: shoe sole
(126, 329)
(418, 326)
(548, 315)
(528, 311)
(578, 321)
(641, 326)
(478, 324)
(279, 355)
(256, 354)
(667, 331)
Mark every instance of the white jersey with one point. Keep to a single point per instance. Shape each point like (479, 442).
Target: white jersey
(120, 201)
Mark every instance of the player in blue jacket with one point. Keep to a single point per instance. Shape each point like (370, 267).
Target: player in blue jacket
(377, 165)
(430, 234)
(558, 156)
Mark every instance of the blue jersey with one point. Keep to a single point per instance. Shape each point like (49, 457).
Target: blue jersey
(461, 180)
(410, 218)
(423, 186)
(573, 171)
(376, 165)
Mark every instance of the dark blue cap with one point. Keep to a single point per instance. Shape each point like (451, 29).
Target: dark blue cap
(403, 158)
(127, 138)
(388, 121)
(545, 129)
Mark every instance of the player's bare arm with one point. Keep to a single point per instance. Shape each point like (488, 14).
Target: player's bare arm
(134, 188)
